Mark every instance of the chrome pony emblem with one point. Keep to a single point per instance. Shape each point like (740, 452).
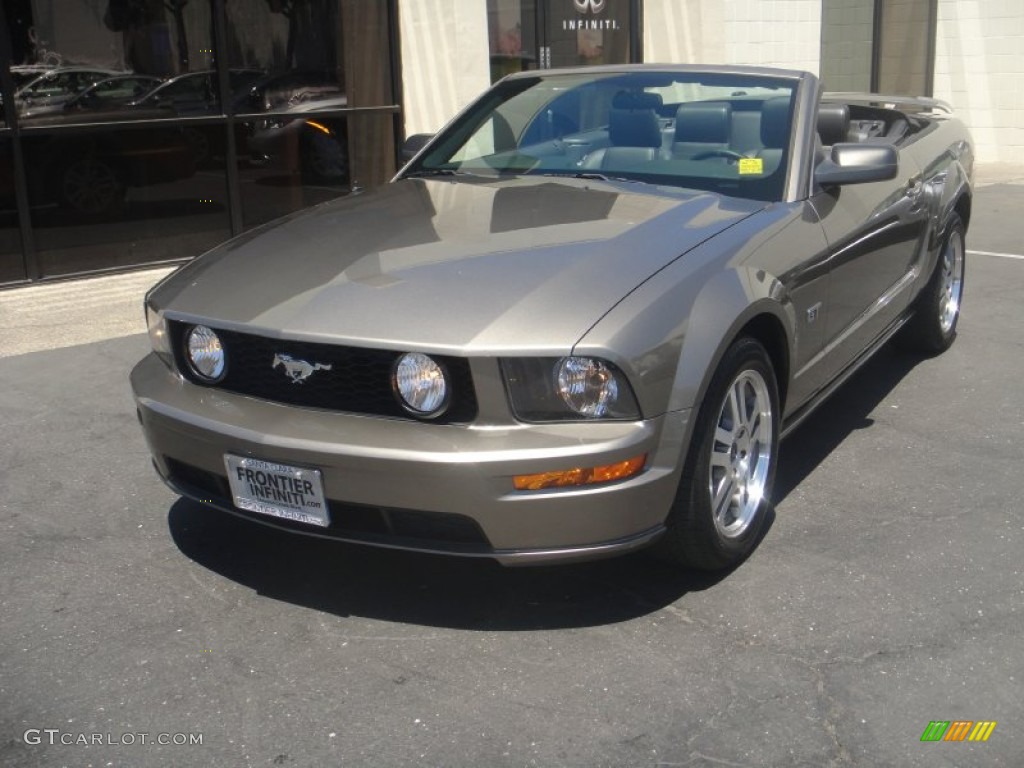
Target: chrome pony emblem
(298, 370)
(595, 6)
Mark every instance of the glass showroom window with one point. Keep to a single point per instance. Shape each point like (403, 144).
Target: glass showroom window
(132, 150)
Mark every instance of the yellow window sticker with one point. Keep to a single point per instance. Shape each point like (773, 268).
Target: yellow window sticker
(749, 165)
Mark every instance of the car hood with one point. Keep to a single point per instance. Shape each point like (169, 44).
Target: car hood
(449, 265)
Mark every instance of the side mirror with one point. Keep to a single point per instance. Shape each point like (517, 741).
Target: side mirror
(414, 144)
(857, 164)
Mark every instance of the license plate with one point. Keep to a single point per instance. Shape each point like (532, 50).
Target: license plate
(279, 490)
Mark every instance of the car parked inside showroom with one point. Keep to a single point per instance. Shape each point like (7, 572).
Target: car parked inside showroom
(578, 322)
(88, 172)
(318, 142)
(196, 94)
(53, 86)
(103, 94)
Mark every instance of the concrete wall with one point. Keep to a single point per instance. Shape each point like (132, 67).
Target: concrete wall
(445, 59)
(684, 32)
(979, 68)
(781, 33)
(777, 33)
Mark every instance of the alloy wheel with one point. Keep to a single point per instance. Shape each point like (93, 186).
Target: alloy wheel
(741, 454)
(952, 281)
(91, 186)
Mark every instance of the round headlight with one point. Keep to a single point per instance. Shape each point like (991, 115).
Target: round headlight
(587, 386)
(420, 384)
(205, 354)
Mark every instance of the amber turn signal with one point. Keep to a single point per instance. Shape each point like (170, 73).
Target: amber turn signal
(580, 476)
(319, 126)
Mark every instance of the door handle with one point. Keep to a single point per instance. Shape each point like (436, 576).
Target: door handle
(914, 188)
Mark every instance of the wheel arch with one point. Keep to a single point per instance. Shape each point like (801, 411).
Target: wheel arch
(962, 207)
(768, 330)
(761, 310)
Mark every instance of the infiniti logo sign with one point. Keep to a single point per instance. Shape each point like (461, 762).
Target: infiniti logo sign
(588, 19)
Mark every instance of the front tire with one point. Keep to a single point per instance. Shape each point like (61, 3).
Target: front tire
(932, 329)
(722, 502)
(91, 187)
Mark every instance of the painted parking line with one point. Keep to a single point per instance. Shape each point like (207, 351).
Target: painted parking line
(1000, 255)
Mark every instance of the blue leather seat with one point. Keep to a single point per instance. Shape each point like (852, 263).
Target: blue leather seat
(701, 127)
(634, 131)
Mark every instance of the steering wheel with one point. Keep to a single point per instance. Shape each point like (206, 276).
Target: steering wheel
(728, 154)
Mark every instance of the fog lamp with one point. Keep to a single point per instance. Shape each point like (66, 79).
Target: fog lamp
(420, 384)
(205, 353)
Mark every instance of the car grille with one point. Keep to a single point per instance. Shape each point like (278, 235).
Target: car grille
(354, 522)
(359, 380)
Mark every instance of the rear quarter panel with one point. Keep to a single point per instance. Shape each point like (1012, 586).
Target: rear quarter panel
(945, 154)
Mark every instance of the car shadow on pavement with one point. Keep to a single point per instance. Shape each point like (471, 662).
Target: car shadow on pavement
(430, 590)
(479, 594)
(846, 411)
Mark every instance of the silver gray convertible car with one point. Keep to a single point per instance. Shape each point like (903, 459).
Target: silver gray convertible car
(578, 322)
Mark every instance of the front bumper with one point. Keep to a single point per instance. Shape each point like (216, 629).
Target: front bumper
(425, 487)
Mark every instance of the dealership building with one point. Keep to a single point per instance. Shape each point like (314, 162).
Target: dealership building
(271, 106)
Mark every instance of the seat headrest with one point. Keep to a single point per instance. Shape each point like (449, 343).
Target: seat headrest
(833, 123)
(775, 123)
(633, 100)
(634, 128)
(706, 122)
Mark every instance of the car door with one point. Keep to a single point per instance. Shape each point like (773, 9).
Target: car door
(875, 232)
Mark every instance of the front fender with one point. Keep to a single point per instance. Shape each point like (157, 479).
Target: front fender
(726, 305)
(669, 335)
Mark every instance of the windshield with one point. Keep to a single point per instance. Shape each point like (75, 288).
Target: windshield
(725, 133)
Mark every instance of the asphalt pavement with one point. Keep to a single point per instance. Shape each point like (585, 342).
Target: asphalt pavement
(887, 594)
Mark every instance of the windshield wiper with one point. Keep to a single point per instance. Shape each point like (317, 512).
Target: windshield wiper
(594, 176)
(423, 172)
(428, 173)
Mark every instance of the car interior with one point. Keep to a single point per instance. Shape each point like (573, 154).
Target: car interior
(734, 141)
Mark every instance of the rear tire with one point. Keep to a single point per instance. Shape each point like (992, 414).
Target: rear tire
(932, 329)
(722, 502)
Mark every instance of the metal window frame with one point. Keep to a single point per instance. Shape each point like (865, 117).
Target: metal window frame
(9, 130)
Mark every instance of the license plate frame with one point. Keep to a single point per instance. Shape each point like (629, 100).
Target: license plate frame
(278, 490)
